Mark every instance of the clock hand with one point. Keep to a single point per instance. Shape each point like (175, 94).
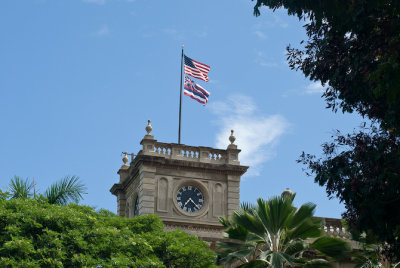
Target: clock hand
(187, 201)
(194, 203)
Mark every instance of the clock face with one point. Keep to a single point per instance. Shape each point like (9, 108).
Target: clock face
(190, 199)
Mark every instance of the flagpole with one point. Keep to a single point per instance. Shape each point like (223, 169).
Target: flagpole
(180, 100)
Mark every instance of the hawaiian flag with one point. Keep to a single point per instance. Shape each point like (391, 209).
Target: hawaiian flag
(196, 69)
(195, 91)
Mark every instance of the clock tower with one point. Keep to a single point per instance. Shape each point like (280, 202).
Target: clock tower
(188, 187)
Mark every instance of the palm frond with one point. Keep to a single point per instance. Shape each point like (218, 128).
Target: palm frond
(20, 188)
(246, 206)
(304, 212)
(278, 210)
(306, 229)
(332, 247)
(248, 221)
(295, 247)
(66, 190)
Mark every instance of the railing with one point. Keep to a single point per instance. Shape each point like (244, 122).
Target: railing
(164, 149)
(190, 153)
(334, 227)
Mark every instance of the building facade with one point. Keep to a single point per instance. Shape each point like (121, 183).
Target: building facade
(188, 187)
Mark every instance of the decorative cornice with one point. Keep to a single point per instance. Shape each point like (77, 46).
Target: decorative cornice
(194, 227)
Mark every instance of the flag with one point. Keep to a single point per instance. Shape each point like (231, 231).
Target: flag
(195, 91)
(196, 69)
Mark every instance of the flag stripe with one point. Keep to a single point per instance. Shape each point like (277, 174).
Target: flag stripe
(195, 91)
(190, 94)
(196, 69)
(202, 90)
(196, 74)
(201, 66)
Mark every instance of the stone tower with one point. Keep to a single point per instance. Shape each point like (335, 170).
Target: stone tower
(188, 187)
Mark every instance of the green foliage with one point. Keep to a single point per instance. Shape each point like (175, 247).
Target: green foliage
(20, 188)
(353, 48)
(67, 189)
(34, 233)
(177, 249)
(273, 234)
(61, 193)
(4, 195)
(362, 170)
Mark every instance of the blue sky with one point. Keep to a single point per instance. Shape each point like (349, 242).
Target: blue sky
(80, 78)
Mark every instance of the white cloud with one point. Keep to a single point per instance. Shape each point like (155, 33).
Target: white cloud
(260, 34)
(314, 88)
(256, 133)
(98, 2)
(104, 30)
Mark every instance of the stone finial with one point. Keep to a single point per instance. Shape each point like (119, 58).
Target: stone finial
(125, 159)
(287, 193)
(232, 138)
(148, 127)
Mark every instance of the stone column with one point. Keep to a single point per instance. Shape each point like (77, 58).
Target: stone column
(121, 201)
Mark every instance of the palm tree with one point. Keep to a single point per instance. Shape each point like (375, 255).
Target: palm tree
(19, 188)
(66, 190)
(276, 234)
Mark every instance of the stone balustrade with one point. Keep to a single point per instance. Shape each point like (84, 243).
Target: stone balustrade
(334, 227)
(190, 153)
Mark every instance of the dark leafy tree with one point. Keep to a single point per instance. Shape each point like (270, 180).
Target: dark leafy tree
(362, 170)
(353, 48)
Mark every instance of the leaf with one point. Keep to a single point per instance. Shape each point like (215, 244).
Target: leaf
(307, 229)
(332, 247)
(65, 190)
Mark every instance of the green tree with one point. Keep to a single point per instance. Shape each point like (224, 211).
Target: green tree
(34, 233)
(61, 192)
(20, 188)
(353, 48)
(273, 234)
(66, 190)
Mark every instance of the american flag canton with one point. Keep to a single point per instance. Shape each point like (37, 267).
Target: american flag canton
(196, 69)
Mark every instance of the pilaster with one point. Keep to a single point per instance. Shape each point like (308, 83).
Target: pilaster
(147, 187)
(233, 197)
